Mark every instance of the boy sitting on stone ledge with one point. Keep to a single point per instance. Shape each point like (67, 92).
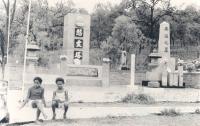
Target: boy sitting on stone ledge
(35, 96)
(60, 98)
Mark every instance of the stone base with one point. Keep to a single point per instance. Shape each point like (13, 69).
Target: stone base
(154, 84)
(197, 86)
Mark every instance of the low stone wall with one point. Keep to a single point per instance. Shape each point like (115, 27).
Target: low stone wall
(170, 94)
(192, 79)
(124, 77)
(49, 75)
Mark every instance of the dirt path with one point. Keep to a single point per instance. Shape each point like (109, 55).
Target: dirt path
(150, 120)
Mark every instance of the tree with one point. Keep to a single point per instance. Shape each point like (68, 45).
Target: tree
(149, 13)
(100, 25)
(125, 36)
(4, 34)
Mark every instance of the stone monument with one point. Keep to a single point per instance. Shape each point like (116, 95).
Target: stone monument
(76, 43)
(161, 63)
(32, 55)
(76, 38)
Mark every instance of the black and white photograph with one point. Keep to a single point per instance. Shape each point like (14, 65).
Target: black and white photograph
(100, 63)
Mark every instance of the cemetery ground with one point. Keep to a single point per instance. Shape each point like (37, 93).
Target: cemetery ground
(101, 106)
(188, 119)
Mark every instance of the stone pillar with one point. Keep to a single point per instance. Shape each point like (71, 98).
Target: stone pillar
(132, 71)
(164, 40)
(106, 72)
(76, 39)
(63, 64)
(164, 77)
(180, 76)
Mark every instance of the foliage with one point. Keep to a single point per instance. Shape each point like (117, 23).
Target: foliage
(192, 65)
(125, 36)
(133, 25)
(138, 99)
(197, 111)
(102, 18)
(170, 112)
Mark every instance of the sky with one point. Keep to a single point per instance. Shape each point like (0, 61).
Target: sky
(90, 4)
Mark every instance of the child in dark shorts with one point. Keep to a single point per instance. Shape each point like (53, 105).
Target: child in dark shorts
(60, 98)
(36, 97)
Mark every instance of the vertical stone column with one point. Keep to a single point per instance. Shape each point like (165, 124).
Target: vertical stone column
(180, 76)
(63, 64)
(106, 72)
(164, 78)
(76, 39)
(132, 71)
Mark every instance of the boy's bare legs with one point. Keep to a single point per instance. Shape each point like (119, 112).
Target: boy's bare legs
(38, 114)
(65, 109)
(54, 104)
(40, 109)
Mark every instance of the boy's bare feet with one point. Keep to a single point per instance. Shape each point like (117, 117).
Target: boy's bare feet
(54, 117)
(64, 116)
(37, 121)
(45, 116)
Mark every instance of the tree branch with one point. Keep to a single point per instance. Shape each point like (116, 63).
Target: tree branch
(13, 12)
(4, 3)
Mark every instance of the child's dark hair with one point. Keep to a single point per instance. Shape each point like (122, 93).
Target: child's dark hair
(38, 78)
(60, 79)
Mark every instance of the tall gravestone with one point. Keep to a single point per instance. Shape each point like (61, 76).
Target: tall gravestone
(164, 64)
(164, 40)
(76, 38)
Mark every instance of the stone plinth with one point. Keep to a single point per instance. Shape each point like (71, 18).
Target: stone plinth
(173, 79)
(154, 84)
(106, 72)
(192, 79)
(32, 56)
(76, 38)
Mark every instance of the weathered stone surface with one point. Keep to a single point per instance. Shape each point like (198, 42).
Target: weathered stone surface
(76, 38)
(154, 84)
(173, 79)
(82, 71)
(191, 79)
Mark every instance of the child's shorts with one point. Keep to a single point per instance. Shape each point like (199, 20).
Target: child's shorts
(33, 103)
(59, 104)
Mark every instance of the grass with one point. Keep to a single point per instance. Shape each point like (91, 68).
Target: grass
(170, 112)
(197, 111)
(138, 99)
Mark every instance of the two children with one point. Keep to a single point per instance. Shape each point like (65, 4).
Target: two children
(37, 100)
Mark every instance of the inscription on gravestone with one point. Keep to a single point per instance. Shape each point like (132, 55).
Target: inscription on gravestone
(78, 55)
(79, 32)
(77, 38)
(78, 43)
(82, 71)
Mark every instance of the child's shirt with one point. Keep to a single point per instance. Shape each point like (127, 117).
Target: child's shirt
(35, 93)
(60, 95)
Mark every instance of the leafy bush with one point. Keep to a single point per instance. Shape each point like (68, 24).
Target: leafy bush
(138, 99)
(197, 111)
(170, 112)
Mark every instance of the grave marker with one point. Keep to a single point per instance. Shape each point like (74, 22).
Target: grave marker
(76, 38)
